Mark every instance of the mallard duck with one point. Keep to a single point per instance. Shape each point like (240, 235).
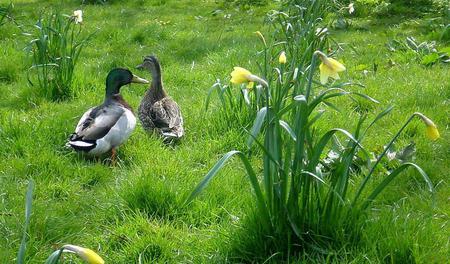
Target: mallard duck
(107, 126)
(158, 112)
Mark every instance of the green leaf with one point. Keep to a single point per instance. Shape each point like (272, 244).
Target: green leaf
(392, 176)
(208, 97)
(288, 130)
(317, 151)
(28, 203)
(259, 120)
(54, 257)
(361, 67)
(218, 166)
(445, 50)
(430, 59)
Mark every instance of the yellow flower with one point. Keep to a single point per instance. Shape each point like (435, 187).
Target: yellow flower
(240, 75)
(86, 254)
(282, 59)
(78, 16)
(329, 68)
(432, 131)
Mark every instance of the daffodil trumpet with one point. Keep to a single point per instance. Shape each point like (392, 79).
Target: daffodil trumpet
(432, 131)
(240, 75)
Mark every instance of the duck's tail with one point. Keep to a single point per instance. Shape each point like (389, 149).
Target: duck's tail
(173, 135)
(75, 142)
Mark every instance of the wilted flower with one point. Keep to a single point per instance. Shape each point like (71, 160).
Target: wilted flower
(86, 254)
(432, 131)
(240, 75)
(282, 59)
(78, 16)
(351, 8)
(329, 68)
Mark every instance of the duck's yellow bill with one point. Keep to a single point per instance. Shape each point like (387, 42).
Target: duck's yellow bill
(137, 79)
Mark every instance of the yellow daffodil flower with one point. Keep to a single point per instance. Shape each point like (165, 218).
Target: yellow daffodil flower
(78, 16)
(329, 68)
(86, 254)
(432, 131)
(282, 59)
(240, 75)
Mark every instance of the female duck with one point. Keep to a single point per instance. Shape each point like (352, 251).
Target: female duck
(157, 111)
(105, 127)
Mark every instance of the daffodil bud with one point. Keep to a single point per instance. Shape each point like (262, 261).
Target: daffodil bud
(432, 131)
(86, 254)
(260, 35)
(282, 59)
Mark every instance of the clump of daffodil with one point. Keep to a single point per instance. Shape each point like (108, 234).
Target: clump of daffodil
(240, 75)
(86, 254)
(78, 16)
(432, 131)
(329, 67)
(282, 59)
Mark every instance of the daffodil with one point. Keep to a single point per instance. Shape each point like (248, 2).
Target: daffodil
(282, 59)
(86, 254)
(432, 131)
(78, 16)
(260, 35)
(351, 8)
(329, 68)
(240, 75)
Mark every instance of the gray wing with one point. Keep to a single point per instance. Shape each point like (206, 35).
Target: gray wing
(98, 121)
(166, 114)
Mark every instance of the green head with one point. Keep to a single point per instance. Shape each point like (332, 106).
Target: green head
(119, 77)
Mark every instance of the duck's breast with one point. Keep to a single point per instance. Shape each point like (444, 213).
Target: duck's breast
(122, 129)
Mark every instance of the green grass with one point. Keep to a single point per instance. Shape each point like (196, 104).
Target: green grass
(135, 209)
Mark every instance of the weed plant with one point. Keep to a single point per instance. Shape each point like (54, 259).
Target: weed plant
(4, 13)
(300, 205)
(56, 48)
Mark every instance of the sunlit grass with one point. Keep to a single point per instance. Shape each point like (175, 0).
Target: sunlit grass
(87, 203)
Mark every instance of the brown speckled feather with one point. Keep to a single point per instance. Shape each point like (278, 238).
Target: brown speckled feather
(158, 112)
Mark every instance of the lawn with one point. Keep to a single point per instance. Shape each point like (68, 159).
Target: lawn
(134, 211)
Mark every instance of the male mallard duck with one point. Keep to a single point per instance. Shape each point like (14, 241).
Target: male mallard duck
(108, 125)
(157, 111)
